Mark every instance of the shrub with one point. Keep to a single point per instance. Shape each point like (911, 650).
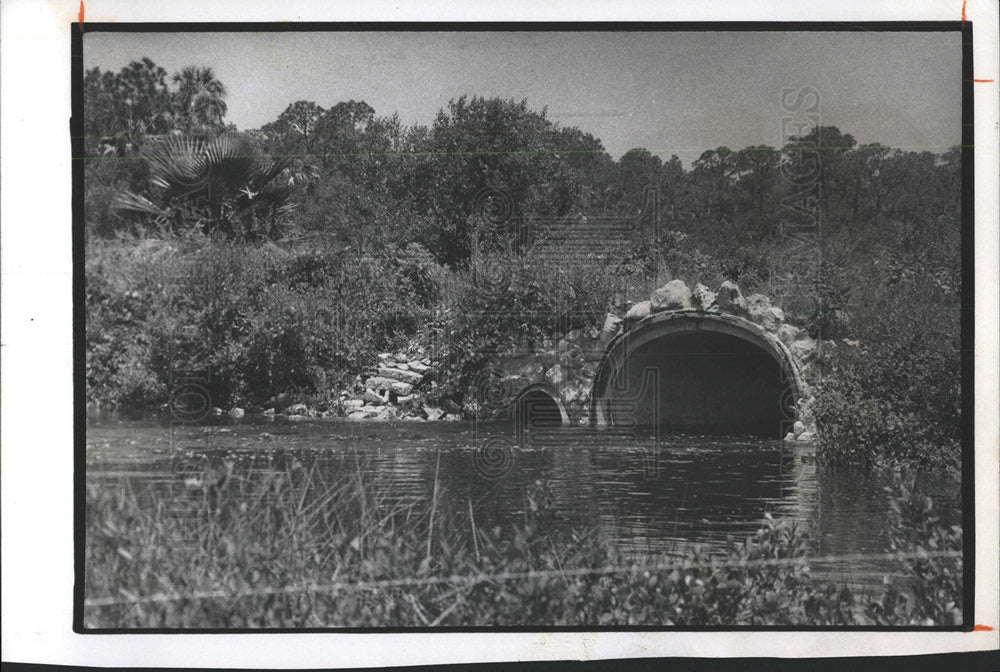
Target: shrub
(259, 321)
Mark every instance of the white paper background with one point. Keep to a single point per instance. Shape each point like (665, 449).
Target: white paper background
(37, 430)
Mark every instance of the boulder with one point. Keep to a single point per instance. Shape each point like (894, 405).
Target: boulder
(296, 409)
(612, 325)
(730, 299)
(236, 412)
(803, 348)
(418, 366)
(674, 295)
(787, 333)
(354, 404)
(433, 412)
(373, 397)
(704, 298)
(394, 373)
(555, 375)
(763, 313)
(380, 383)
(639, 311)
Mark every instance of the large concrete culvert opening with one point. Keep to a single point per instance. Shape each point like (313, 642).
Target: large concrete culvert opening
(697, 376)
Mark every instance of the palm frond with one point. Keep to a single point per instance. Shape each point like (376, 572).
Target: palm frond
(132, 202)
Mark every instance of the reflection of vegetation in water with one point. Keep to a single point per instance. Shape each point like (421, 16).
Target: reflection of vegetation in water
(293, 547)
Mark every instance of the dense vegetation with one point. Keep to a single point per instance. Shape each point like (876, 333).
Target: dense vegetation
(283, 259)
(289, 548)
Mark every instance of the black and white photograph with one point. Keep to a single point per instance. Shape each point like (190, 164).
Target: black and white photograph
(524, 328)
(462, 337)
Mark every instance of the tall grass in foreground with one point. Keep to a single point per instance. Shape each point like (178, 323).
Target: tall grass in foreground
(291, 550)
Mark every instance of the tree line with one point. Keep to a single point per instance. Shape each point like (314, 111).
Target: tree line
(350, 183)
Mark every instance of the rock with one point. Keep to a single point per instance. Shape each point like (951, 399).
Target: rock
(402, 366)
(573, 335)
(757, 304)
(296, 417)
(730, 299)
(787, 333)
(704, 298)
(798, 428)
(373, 397)
(217, 411)
(639, 311)
(236, 412)
(803, 348)
(296, 409)
(763, 313)
(418, 366)
(384, 356)
(411, 377)
(403, 399)
(353, 404)
(269, 412)
(555, 374)
(433, 412)
(612, 325)
(356, 415)
(674, 295)
(789, 437)
(380, 383)
(806, 437)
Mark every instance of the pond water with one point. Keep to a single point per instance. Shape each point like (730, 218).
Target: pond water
(652, 495)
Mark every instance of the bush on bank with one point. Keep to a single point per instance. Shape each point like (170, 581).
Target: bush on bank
(258, 320)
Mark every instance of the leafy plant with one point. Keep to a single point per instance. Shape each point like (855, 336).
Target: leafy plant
(224, 186)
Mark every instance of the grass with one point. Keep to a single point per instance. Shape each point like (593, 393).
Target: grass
(291, 548)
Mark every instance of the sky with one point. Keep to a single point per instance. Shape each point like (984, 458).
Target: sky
(668, 92)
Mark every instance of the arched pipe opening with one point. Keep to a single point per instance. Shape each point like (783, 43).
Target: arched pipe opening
(536, 408)
(697, 372)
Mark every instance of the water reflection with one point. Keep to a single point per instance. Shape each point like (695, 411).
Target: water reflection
(650, 495)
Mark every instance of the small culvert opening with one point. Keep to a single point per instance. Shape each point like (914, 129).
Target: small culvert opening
(537, 409)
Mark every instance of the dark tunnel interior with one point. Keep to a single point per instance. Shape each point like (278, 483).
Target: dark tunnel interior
(536, 409)
(703, 382)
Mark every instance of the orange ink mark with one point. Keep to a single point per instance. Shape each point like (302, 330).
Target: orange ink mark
(80, 15)
(983, 81)
(963, 8)
(982, 628)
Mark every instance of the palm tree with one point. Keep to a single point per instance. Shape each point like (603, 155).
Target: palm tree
(199, 101)
(223, 186)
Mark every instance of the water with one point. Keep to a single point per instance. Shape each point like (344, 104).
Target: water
(693, 491)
